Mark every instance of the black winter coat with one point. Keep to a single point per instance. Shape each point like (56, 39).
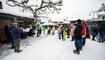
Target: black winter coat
(102, 28)
(78, 32)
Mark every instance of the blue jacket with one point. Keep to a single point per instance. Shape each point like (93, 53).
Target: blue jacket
(95, 30)
(15, 33)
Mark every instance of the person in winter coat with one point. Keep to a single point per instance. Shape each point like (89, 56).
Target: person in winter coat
(43, 28)
(102, 32)
(68, 32)
(94, 32)
(64, 35)
(39, 31)
(7, 32)
(59, 32)
(84, 34)
(78, 37)
(49, 31)
(62, 32)
(15, 34)
(72, 32)
(53, 30)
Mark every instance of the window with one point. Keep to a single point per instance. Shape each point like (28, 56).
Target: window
(1, 5)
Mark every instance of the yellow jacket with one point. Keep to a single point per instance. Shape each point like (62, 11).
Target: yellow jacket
(64, 33)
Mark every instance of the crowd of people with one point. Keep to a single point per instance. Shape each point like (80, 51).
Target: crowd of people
(78, 32)
(99, 32)
(14, 33)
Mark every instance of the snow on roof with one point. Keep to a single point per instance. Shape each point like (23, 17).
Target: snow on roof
(16, 14)
(48, 23)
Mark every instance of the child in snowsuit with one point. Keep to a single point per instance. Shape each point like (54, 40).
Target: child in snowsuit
(43, 30)
(64, 35)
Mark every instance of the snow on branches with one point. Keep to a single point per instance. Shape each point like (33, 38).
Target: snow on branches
(38, 7)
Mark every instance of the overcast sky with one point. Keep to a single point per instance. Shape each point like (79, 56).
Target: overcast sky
(73, 9)
(78, 9)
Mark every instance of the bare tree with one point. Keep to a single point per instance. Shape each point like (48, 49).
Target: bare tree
(45, 6)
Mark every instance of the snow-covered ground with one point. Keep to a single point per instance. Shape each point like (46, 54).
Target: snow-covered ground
(49, 47)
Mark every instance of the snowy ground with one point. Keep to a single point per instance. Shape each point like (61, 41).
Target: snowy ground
(49, 47)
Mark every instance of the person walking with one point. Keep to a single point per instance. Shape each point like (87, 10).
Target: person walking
(15, 34)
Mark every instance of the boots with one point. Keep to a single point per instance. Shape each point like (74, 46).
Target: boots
(19, 51)
(76, 52)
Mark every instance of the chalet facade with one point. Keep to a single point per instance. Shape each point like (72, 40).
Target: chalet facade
(9, 18)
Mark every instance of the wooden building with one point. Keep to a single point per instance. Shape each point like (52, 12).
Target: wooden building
(9, 19)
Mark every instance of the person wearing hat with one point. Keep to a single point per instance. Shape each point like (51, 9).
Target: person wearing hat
(78, 37)
(15, 34)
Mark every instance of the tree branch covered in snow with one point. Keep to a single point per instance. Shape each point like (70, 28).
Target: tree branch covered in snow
(42, 7)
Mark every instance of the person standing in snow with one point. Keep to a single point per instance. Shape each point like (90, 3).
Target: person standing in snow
(84, 33)
(49, 31)
(7, 32)
(94, 33)
(102, 32)
(62, 30)
(15, 34)
(59, 32)
(43, 28)
(72, 32)
(64, 35)
(53, 30)
(39, 31)
(78, 37)
(68, 31)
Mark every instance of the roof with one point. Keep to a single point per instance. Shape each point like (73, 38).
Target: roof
(6, 15)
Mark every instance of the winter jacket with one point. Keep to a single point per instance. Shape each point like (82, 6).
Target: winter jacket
(84, 30)
(94, 30)
(68, 31)
(64, 33)
(102, 28)
(72, 30)
(78, 32)
(15, 33)
(43, 28)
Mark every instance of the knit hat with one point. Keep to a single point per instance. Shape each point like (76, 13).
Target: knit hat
(79, 21)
